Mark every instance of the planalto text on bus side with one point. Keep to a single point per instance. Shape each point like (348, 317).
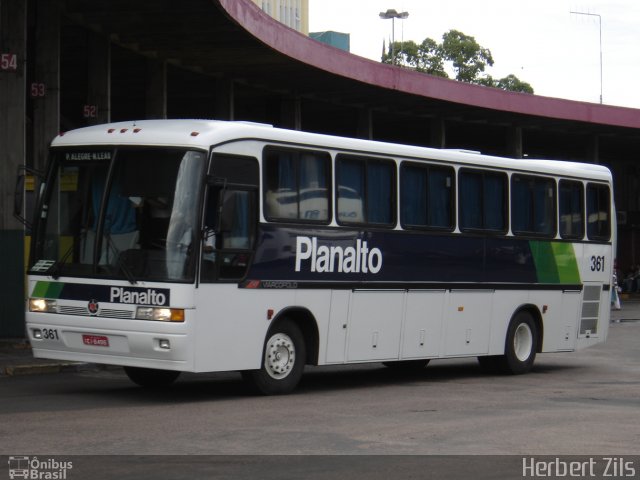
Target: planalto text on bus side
(328, 259)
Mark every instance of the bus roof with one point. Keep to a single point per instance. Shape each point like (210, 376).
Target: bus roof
(207, 133)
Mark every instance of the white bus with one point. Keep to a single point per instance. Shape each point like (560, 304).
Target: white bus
(204, 246)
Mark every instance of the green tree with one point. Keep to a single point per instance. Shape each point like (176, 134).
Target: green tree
(426, 57)
(460, 52)
(513, 84)
(466, 55)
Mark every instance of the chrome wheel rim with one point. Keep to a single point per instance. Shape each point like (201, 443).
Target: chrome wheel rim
(523, 342)
(279, 356)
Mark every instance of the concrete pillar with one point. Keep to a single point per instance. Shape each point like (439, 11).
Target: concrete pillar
(13, 45)
(13, 41)
(514, 142)
(593, 149)
(44, 87)
(291, 113)
(365, 124)
(156, 91)
(225, 99)
(438, 133)
(99, 80)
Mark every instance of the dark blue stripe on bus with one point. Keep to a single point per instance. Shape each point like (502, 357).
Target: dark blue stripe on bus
(431, 260)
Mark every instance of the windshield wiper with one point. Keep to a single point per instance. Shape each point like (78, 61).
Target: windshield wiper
(120, 263)
(126, 271)
(56, 268)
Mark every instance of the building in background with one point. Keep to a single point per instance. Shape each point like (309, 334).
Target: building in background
(335, 39)
(293, 13)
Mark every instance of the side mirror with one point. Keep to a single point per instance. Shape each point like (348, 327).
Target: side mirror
(18, 198)
(26, 176)
(27, 180)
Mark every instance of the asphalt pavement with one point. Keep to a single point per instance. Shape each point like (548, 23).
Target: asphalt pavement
(16, 357)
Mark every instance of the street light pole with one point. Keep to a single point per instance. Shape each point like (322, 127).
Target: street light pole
(393, 14)
(600, 26)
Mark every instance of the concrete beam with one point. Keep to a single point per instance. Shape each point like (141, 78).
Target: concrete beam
(44, 87)
(13, 45)
(156, 91)
(365, 123)
(593, 149)
(13, 41)
(291, 113)
(225, 99)
(99, 79)
(514, 142)
(438, 133)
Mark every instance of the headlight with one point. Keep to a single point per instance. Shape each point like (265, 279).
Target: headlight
(160, 314)
(42, 305)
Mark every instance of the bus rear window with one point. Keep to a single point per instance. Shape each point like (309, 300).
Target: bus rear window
(571, 203)
(598, 207)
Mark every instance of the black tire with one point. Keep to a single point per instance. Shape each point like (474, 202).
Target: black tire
(520, 345)
(283, 359)
(407, 365)
(151, 377)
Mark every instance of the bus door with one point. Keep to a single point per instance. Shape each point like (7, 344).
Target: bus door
(230, 219)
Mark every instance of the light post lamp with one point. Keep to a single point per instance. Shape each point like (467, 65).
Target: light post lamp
(600, 26)
(393, 14)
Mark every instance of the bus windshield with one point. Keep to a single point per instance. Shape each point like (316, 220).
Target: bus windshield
(126, 213)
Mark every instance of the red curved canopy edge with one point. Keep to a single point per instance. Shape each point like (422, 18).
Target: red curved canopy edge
(301, 48)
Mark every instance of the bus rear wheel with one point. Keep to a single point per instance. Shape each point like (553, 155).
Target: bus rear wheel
(283, 360)
(519, 349)
(151, 377)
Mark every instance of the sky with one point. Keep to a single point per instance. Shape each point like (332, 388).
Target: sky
(540, 42)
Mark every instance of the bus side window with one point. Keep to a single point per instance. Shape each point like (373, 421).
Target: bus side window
(297, 184)
(366, 191)
(426, 196)
(598, 207)
(236, 230)
(571, 199)
(482, 200)
(533, 205)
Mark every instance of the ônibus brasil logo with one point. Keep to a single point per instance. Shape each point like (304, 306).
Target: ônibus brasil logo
(38, 469)
(328, 259)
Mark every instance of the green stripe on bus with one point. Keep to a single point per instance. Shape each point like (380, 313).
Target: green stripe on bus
(47, 289)
(40, 290)
(545, 262)
(555, 262)
(566, 261)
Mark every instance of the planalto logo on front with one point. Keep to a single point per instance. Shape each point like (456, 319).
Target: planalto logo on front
(328, 259)
(147, 296)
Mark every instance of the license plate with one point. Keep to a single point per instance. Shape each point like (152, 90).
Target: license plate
(95, 340)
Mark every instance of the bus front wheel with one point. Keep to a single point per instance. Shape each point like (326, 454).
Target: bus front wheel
(283, 360)
(151, 377)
